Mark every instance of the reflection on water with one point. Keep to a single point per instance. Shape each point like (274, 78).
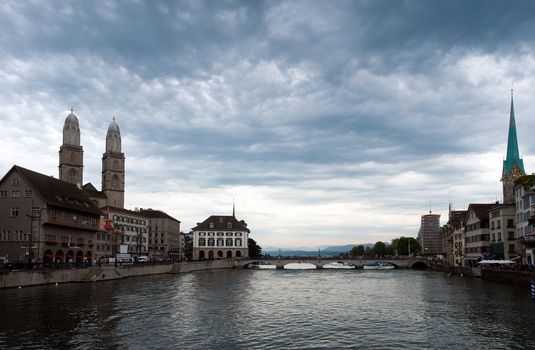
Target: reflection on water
(244, 309)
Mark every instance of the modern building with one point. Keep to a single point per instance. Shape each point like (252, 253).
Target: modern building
(430, 234)
(164, 239)
(477, 236)
(220, 237)
(46, 219)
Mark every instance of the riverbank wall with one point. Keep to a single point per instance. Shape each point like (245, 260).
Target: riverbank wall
(505, 276)
(25, 278)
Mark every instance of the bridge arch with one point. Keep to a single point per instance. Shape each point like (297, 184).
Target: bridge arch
(419, 265)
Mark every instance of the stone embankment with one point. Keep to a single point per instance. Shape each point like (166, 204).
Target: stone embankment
(506, 276)
(24, 278)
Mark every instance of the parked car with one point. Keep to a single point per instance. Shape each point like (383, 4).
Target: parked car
(143, 259)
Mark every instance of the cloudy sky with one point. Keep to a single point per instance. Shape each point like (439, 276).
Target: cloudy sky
(329, 122)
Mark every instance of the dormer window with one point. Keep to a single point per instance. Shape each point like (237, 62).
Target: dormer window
(211, 225)
(220, 220)
(229, 225)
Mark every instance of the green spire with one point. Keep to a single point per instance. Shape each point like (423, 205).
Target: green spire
(513, 155)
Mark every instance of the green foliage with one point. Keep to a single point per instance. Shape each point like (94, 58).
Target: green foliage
(188, 247)
(528, 181)
(357, 251)
(401, 245)
(380, 249)
(255, 251)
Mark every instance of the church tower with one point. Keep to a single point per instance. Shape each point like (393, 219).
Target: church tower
(71, 153)
(513, 166)
(113, 168)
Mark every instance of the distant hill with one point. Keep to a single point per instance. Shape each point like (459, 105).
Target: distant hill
(305, 252)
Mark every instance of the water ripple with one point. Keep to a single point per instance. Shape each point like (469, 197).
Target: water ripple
(243, 309)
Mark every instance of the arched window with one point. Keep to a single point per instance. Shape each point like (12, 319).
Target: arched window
(115, 165)
(201, 255)
(220, 253)
(229, 254)
(115, 182)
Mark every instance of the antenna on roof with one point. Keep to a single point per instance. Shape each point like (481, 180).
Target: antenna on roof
(233, 208)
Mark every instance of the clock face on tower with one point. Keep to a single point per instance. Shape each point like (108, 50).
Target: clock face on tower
(514, 174)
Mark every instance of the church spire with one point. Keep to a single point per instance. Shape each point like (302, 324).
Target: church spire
(513, 155)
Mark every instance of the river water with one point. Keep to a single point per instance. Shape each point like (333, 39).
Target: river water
(248, 309)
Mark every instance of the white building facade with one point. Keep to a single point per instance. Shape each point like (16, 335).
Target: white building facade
(220, 237)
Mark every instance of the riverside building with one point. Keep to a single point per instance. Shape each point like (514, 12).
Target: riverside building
(45, 219)
(164, 238)
(220, 237)
(477, 236)
(59, 219)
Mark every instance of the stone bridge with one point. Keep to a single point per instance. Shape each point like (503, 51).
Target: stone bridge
(409, 263)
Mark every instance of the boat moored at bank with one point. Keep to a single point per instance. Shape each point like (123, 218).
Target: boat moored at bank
(379, 265)
(300, 266)
(339, 265)
(261, 265)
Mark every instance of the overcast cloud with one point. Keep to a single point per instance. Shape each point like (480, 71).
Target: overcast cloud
(330, 122)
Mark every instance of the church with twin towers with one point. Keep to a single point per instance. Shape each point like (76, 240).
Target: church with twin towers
(71, 163)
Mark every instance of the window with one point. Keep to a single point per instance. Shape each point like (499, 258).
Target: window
(229, 225)
(220, 220)
(14, 212)
(116, 165)
(15, 181)
(15, 194)
(115, 182)
(202, 242)
(238, 234)
(229, 234)
(211, 225)
(238, 242)
(3, 194)
(220, 242)
(210, 242)
(229, 242)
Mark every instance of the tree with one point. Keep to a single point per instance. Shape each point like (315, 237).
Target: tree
(255, 251)
(188, 247)
(402, 245)
(357, 251)
(379, 249)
